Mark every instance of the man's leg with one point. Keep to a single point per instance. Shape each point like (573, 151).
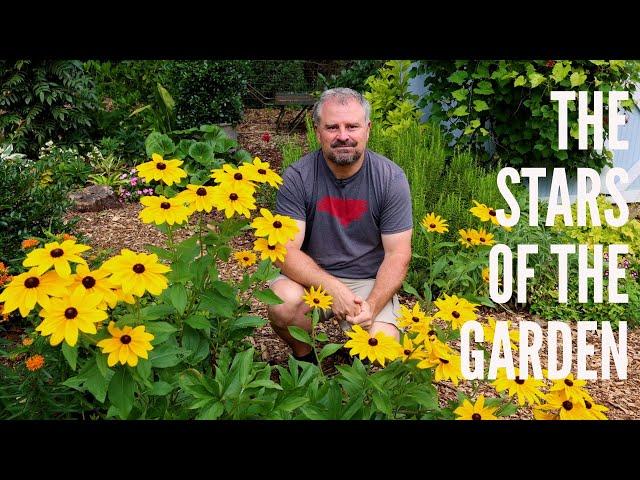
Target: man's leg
(290, 313)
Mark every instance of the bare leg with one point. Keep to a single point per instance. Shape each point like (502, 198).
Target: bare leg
(290, 313)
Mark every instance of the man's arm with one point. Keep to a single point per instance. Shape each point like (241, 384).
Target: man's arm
(391, 274)
(302, 269)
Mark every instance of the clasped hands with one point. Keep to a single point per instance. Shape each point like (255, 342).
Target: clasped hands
(352, 308)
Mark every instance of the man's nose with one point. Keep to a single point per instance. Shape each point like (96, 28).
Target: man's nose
(343, 135)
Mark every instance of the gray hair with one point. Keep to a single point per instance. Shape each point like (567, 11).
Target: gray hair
(341, 95)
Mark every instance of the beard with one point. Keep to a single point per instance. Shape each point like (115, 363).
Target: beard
(344, 158)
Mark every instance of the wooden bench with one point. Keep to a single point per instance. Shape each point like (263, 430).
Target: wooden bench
(285, 99)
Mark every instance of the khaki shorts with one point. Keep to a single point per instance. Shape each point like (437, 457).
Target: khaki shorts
(361, 287)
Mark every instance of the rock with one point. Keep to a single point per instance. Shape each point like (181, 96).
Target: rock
(94, 199)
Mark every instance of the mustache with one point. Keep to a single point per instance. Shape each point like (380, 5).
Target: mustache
(348, 143)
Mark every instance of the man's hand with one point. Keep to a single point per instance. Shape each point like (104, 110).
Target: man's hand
(365, 317)
(344, 303)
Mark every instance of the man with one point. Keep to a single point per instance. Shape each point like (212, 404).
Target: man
(353, 209)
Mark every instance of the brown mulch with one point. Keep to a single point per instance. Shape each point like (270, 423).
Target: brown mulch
(120, 228)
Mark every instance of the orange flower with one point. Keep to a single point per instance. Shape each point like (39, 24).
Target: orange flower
(66, 236)
(26, 341)
(30, 243)
(4, 316)
(35, 363)
(4, 274)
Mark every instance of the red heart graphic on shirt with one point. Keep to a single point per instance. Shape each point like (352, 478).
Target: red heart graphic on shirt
(346, 210)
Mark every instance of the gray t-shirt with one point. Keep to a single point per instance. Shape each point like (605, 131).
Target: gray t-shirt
(345, 218)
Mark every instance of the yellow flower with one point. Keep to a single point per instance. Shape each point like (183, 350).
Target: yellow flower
(379, 348)
(411, 351)
(527, 390)
(199, 198)
(317, 298)
(63, 317)
(94, 282)
(233, 176)
(30, 243)
(448, 368)
(567, 408)
(36, 362)
(168, 171)
(260, 171)
(410, 317)
(485, 238)
(477, 411)
(485, 274)
(234, 197)
(126, 344)
(163, 210)
(490, 332)
(468, 238)
(57, 255)
(456, 310)
(277, 228)
(29, 288)
(484, 213)
(595, 410)
(573, 389)
(272, 252)
(433, 223)
(121, 297)
(137, 272)
(246, 258)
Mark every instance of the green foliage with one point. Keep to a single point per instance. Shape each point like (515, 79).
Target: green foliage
(271, 76)
(208, 91)
(44, 100)
(508, 103)
(392, 106)
(354, 75)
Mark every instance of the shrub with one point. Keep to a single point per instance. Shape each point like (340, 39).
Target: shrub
(44, 100)
(354, 75)
(508, 104)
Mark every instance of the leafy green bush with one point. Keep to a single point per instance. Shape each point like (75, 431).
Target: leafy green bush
(509, 104)
(354, 75)
(44, 100)
(207, 91)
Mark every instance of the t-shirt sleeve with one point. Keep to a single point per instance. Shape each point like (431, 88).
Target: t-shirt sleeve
(290, 196)
(397, 214)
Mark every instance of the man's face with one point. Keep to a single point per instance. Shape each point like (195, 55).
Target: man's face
(342, 131)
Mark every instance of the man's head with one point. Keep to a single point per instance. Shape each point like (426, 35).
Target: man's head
(341, 119)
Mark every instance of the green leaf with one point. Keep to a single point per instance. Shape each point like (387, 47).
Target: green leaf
(97, 383)
(144, 368)
(460, 111)
(382, 403)
(410, 290)
(70, 354)
(121, 391)
(159, 143)
(520, 81)
(480, 105)
(577, 79)
(300, 334)
(321, 336)
(267, 296)
(202, 153)
(154, 312)
(103, 367)
(199, 322)
(248, 321)
(164, 356)
(328, 350)
(161, 252)
(211, 412)
(508, 409)
(160, 330)
(218, 304)
(160, 388)
(177, 294)
(291, 403)
(560, 71)
(264, 382)
(484, 88)
(460, 94)
(458, 77)
(196, 343)
(536, 79)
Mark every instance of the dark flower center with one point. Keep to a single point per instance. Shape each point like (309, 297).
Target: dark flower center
(482, 239)
(568, 383)
(373, 342)
(31, 282)
(238, 176)
(455, 314)
(415, 319)
(88, 282)
(233, 197)
(588, 404)
(567, 405)
(165, 205)
(57, 252)
(492, 212)
(161, 166)
(469, 239)
(476, 416)
(444, 360)
(138, 268)
(519, 381)
(201, 191)
(246, 259)
(316, 300)
(262, 171)
(433, 225)
(431, 333)
(407, 352)
(277, 224)
(125, 339)
(71, 313)
(271, 247)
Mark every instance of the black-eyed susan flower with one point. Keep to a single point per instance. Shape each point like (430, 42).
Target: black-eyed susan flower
(246, 258)
(56, 255)
(489, 330)
(94, 282)
(379, 348)
(456, 310)
(126, 345)
(199, 198)
(159, 210)
(526, 389)
(29, 288)
(317, 298)
(168, 171)
(572, 388)
(484, 213)
(230, 175)
(234, 197)
(412, 350)
(468, 238)
(137, 273)
(476, 411)
(274, 253)
(261, 172)
(277, 228)
(122, 297)
(485, 274)
(566, 408)
(35, 362)
(594, 410)
(448, 368)
(411, 318)
(484, 237)
(64, 317)
(434, 223)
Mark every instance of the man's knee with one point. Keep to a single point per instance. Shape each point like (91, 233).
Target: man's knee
(290, 292)
(387, 328)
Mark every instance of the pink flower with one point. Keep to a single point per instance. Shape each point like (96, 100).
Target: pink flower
(134, 181)
(266, 137)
